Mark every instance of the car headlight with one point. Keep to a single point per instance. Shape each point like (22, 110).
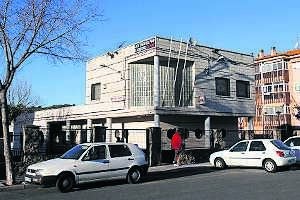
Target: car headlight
(39, 172)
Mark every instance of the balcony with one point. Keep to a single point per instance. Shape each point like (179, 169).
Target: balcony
(272, 77)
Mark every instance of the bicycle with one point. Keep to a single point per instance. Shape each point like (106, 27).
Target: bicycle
(185, 158)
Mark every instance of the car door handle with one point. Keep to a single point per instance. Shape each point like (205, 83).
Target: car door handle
(242, 153)
(130, 158)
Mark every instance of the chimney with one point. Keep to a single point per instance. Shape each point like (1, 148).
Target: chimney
(273, 51)
(261, 54)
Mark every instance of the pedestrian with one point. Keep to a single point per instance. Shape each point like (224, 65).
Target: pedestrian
(176, 145)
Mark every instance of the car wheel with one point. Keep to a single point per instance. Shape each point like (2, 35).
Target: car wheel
(269, 165)
(133, 176)
(220, 163)
(65, 183)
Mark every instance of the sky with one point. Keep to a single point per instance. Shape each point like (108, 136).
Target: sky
(238, 25)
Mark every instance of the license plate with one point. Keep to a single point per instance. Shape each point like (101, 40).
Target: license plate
(27, 179)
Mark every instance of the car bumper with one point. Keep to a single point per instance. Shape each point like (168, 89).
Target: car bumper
(42, 180)
(286, 161)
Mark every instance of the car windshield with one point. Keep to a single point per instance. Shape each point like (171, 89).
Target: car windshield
(75, 152)
(280, 145)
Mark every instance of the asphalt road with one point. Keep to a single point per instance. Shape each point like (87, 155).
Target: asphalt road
(178, 184)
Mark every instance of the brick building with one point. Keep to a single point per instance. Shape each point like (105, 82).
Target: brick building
(277, 83)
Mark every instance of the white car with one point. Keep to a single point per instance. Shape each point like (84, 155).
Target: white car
(90, 162)
(294, 143)
(267, 153)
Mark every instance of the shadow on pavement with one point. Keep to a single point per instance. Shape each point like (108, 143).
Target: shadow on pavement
(153, 176)
(177, 173)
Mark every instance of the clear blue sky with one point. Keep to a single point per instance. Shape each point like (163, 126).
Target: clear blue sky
(238, 25)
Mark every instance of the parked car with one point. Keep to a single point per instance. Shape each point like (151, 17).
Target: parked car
(267, 153)
(294, 143)
(90, 162)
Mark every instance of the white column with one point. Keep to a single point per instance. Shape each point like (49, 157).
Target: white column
(109, 126)
(207, 129)
(78, 135)
(156, 90)
(89, 126)
(250, 123)
(68, 128)
(249, 127)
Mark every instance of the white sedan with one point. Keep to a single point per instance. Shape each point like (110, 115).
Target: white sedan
(90, 162)
(267, 153)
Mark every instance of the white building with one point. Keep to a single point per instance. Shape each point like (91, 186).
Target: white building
(158, 82)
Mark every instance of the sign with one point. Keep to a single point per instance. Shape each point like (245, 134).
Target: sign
(144, 45)
(201, 100)
(117, 98)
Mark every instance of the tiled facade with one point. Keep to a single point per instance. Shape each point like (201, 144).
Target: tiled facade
(277, 82)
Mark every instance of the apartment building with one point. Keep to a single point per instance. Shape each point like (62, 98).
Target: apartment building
(277, 85)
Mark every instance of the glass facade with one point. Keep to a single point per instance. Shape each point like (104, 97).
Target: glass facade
(175, 85)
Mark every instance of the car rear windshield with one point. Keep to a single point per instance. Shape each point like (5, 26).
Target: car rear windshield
(75, 152)
(280, 145)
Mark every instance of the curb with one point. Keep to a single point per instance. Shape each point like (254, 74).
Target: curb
(17, 187)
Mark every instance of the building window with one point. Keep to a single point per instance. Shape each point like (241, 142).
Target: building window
(95, 91)
(176, 84)
(243, 89)
(297, 87)
(141, 84)
(222, 86)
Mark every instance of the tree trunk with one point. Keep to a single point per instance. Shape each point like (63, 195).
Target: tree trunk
(6, 137)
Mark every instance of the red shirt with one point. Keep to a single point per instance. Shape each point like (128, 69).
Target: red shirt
(176, 141)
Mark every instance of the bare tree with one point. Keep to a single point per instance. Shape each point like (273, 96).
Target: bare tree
(20, 100)
(31, 28)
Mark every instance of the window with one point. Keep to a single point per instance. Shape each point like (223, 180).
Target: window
(280, 145)
(293, 142)
(242, 146)
(257, 146)
(222, 86)
(119, 151)
(75, 152)
(96, 153)
(243, 89)
(176, 84)
(95, 91)
(297, 87)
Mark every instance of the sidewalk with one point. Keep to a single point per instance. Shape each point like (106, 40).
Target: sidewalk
(154, 172)
(168, 167)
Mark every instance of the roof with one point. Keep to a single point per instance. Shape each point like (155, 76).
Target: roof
(289, 53)
(166, 38)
